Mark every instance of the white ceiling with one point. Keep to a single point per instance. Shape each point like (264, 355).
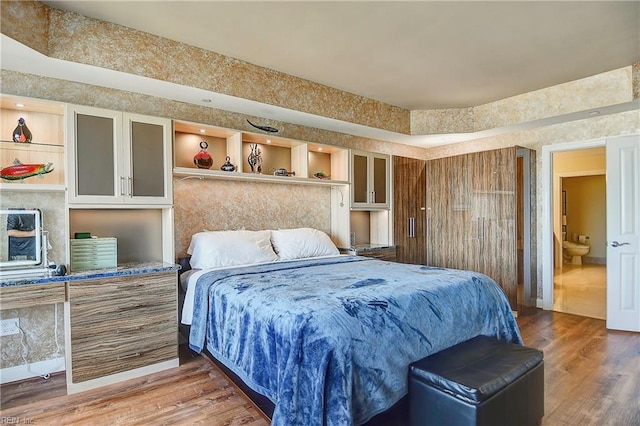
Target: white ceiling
(415, 54)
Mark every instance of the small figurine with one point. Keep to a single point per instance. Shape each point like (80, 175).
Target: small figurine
(203, 159)
(22, 132)
(227, 166)
(255, 159)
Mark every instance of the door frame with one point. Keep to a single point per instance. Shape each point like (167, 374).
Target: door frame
(547, 246)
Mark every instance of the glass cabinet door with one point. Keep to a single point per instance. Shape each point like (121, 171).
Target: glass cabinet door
(93, 156)
(369, 180)
(360, 179)
(148, 142)
(118, 158)
(380, 179)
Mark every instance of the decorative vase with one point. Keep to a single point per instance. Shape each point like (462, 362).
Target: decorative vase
(227, 166)
(255, 159)
(22, 132)
(203, 159)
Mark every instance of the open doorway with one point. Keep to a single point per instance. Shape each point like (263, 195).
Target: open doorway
(580, 241)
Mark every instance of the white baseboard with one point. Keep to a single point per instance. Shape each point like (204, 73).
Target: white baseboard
(119, 377)
(35, 369)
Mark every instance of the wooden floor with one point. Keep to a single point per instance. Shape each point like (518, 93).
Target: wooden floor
(592, 377)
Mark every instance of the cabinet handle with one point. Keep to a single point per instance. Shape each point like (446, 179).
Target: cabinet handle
(128, 330)
(129, 286)
(134, 355)
(129, 308)
(130, 179)
(412, 227)
(483, 228)
(121, 185)
(373, 197)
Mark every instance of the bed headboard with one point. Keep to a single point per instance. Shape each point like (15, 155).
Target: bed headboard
(218, 205)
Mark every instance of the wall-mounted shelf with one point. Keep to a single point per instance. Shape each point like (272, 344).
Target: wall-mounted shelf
(34, 187)
(253, 177)
(302, 159)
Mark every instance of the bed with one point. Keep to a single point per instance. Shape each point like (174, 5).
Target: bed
(328, 338)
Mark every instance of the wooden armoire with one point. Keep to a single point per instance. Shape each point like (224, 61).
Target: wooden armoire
(409, 197)
(474, 216)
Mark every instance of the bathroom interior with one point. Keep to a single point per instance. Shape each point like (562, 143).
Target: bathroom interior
(580, 249)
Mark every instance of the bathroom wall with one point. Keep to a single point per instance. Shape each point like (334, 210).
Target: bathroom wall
(587, 213)
(580, 162)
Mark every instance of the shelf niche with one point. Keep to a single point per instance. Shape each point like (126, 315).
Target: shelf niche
(45, 120)
(300, 157)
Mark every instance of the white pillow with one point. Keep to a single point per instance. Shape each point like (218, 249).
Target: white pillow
(230, 248)
(301, 243)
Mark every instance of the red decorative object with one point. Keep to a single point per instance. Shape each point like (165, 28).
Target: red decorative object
(19, 171)
(203, 159)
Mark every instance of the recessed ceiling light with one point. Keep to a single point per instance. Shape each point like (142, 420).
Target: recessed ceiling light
(20, 105)
(202, 131)
(319, 148)
(268, 140)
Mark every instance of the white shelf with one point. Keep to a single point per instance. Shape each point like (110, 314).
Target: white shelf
(32, 187)
(253, 177)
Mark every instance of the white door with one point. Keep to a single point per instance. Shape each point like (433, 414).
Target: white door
(623, 233)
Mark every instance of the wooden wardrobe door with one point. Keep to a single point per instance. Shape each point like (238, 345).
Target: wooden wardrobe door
(445, 205)
(408, 205)
(494, 216)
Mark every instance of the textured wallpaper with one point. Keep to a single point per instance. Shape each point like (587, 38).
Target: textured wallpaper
(217, 205)
(38, 322)
(52, 205)
(39, 328)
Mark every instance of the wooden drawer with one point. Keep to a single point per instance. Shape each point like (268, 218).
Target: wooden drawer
(121, 288)
(104, 360)
(111, 328)
(122, 323)
(24, 296)
(136, 308)
(388, 254)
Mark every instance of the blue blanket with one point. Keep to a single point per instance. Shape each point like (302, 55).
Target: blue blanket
(329, 340)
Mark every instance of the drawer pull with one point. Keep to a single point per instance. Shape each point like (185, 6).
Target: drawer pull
(128, 330)
(134, 355)
(132, 307)
(130, 286)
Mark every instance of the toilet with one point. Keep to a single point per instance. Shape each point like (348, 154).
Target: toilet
(575, 251)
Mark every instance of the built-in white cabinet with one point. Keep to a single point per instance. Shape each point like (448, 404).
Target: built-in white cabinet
(369, 180)
(118, 158)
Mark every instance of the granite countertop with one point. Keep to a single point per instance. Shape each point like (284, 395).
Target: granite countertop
(123, 269)
(367, 247)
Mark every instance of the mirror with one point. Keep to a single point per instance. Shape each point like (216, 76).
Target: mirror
(20, 238)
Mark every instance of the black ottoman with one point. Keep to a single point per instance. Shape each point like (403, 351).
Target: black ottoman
(482, 381)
